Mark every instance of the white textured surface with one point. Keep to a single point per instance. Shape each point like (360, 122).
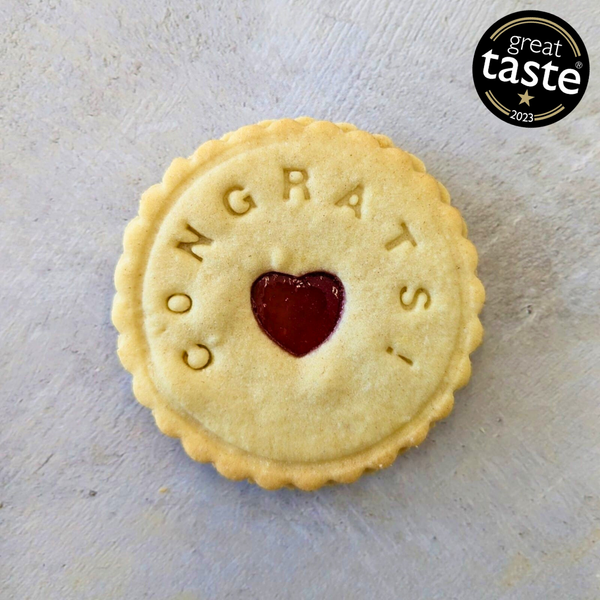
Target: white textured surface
(503, 499)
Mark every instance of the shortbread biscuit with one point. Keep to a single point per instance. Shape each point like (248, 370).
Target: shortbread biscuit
(297, 303)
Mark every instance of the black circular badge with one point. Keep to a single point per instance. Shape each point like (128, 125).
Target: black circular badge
(531, 68)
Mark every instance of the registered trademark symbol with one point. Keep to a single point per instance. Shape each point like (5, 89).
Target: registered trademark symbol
(578, 65)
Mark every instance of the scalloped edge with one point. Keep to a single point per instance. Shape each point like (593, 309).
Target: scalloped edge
(203, 446)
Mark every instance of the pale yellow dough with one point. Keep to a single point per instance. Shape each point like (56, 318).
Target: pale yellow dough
(297, 196)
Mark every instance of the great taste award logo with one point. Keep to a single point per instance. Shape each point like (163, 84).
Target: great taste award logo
(531, 69)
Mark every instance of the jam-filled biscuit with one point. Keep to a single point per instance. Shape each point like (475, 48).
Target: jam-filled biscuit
(297, 302)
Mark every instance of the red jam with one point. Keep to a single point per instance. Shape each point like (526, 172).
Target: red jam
(298, 313)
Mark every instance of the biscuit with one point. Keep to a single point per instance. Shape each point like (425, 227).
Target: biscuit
(297, 303)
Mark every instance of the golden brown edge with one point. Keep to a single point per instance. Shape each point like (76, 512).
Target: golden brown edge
(204, 446)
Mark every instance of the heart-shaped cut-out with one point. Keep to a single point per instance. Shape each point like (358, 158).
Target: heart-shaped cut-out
(298, 313)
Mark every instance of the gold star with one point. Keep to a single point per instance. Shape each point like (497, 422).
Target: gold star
(525, 98)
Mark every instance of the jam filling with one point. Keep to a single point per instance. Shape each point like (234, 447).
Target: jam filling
(298, 313)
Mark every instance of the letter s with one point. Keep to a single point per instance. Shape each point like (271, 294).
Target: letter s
(528, 69)
(411, 303)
